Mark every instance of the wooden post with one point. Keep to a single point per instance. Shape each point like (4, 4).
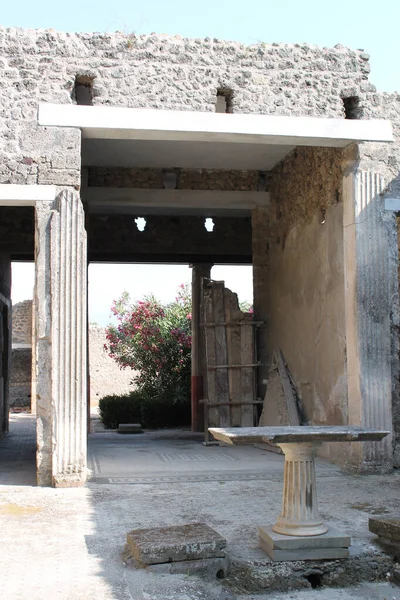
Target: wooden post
(199, 270)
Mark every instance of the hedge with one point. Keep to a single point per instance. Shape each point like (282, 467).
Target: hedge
(136, 407)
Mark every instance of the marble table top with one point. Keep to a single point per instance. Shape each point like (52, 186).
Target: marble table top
(315, 433)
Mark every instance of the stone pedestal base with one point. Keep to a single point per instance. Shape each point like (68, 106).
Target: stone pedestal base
(195, 541)
(331, 545)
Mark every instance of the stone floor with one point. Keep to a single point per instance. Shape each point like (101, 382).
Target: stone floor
(67, 543)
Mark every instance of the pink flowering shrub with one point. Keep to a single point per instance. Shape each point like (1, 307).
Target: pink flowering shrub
(155, 341)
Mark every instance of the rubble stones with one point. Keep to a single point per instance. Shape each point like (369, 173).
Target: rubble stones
(387, 527)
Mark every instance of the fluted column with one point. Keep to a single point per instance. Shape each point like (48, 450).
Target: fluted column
(60, 323)
(299, 515)
(372, 312)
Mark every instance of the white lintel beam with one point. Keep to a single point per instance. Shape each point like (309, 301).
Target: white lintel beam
(148, 201)
(148, 124)
(25, 195)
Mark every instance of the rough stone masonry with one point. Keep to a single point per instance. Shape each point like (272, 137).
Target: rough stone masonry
(105, 375)
(324, 252)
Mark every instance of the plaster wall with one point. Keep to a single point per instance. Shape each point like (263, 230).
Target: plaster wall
(305, 287)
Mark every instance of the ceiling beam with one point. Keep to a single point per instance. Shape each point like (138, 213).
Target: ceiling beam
(110, 200)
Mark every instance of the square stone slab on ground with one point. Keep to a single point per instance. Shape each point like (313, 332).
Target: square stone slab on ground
(331, 545)
(130, 428)
(172, 544)
(387, 527)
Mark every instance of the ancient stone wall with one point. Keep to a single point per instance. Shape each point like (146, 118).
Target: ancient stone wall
(105, 375)
(155, 71)
(21, 378)
(21, 362)
(186, 179)
(22, 323)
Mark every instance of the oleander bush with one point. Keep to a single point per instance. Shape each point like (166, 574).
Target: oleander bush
(154, 340)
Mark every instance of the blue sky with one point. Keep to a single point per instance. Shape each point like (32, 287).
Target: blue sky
(367, 24)
(373, 26)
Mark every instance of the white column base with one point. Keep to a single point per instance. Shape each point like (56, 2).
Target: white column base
(299, 515)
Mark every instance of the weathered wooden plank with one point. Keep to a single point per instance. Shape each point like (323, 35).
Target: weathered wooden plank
(211, 416)
(280, 407)
(248, 374)
(230, 403)
(221, 354)
(233, 351)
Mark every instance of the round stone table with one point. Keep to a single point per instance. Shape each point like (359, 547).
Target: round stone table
(299, 516)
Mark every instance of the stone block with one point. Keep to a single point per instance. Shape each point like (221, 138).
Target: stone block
(331, 545)
(190, 542)
(130, 428)
(387, 526)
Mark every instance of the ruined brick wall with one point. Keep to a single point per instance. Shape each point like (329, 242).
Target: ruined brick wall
(105, 375)
(22, 322)
(155, 71)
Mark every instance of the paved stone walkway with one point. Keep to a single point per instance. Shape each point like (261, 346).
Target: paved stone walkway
(67, 544)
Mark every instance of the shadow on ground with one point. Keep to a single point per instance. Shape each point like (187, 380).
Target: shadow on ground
(68, 543)
(18, 451)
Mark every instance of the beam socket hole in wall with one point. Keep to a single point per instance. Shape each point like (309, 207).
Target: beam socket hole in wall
(224, 101)
(209, 224)
(351, 107)
(83, 90)
(141, 223)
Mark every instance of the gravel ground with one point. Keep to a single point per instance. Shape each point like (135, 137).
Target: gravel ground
(68, 543)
